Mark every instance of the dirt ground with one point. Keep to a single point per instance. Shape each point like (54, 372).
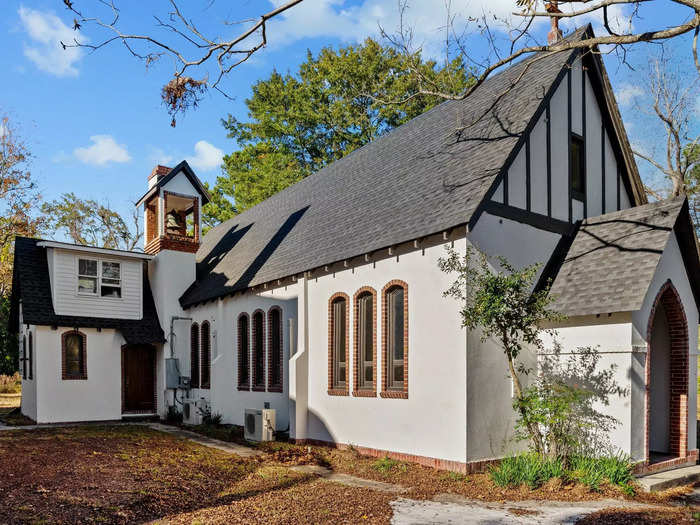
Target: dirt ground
(126, 474)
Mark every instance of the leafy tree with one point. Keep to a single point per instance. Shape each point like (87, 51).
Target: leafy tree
(18, 198)
(91, 223)
(335, 103)
(502, 305)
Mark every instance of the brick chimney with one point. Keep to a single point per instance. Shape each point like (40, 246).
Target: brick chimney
(157, 173)
(555, 33)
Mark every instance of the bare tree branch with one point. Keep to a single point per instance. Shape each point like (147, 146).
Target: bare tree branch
(183, 91)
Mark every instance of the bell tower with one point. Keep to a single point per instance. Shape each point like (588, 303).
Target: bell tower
(172, 209)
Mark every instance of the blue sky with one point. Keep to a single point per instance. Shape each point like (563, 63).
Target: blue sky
(95, 122)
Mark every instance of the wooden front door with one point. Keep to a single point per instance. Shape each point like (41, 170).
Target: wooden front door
(138, 378)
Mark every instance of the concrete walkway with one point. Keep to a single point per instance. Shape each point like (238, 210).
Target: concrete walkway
(670, 478)
(225, 446)
(452, 509)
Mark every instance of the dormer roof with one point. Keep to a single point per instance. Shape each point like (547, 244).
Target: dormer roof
(184, 168)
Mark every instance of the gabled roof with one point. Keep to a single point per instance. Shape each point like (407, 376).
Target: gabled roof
(610, 260)
(428, 175)
(31, 284)
(194, 180)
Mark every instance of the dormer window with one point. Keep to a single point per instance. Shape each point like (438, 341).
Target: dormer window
(94, 275)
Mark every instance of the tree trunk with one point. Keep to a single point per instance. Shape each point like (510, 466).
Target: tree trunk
(532, 428)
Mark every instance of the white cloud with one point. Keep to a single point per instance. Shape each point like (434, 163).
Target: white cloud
(206, 156)
(46, 32)
(103, 151)
(331, 18)
(426, 18)
(627, 93)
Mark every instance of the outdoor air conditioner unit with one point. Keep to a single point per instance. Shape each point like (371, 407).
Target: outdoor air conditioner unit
(259, 424)
(193, 409)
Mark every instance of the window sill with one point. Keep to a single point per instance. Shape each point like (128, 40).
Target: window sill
(391, 394)
(244, 388)
(337, 392)
(258, 389)
(276, 389)
(81, 378)
(364, 393)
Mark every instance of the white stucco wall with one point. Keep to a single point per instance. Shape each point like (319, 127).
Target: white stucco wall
(671, 267)
(223, 314)
(612, 337)
(29, 386)
(95, 399)
(432, 421)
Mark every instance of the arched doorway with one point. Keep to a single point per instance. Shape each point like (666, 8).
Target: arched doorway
(667, 378)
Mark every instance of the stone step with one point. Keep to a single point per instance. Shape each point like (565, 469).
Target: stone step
(669, 478)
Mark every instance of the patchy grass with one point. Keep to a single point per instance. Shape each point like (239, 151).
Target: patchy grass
(126, 474)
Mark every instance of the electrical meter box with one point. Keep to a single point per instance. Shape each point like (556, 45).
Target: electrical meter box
(172, 373)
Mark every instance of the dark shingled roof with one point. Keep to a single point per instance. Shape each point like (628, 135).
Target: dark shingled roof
(612, 258)
(31, 284)
(421, 178)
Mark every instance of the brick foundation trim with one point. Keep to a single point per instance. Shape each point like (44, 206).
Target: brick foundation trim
(275, 384)
(386, 391)
(357, 391)
(471, 467)
(679, 362)
(333, 388)
(643, 468)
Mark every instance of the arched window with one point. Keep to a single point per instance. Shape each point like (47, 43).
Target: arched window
(259, 351)
(395, 340)
(338, 339)
(24, 357)
(275, 350)
(365, 342)
(74, 355)
(194, 356)
(31, 357)
(243, 352)
(206, 356)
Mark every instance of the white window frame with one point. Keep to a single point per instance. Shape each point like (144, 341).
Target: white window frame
(100, 284)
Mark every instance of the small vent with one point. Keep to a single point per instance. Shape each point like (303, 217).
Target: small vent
(250, 423)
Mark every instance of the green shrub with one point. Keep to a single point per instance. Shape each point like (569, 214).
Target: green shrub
(11, 384)
(615, 469)
(174, 416)
(534, 470)
(529, 468)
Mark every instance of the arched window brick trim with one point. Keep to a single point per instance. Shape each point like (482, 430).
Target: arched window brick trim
(338, 391)
(356, 391)
(386, 392)
(678, 330)
(243, 351)
(31, 357)
(194, 356)
(64, 372)
(272, 386)
(257, 387)
(205, 356)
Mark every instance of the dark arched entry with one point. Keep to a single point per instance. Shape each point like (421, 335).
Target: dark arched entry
(667, 378)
